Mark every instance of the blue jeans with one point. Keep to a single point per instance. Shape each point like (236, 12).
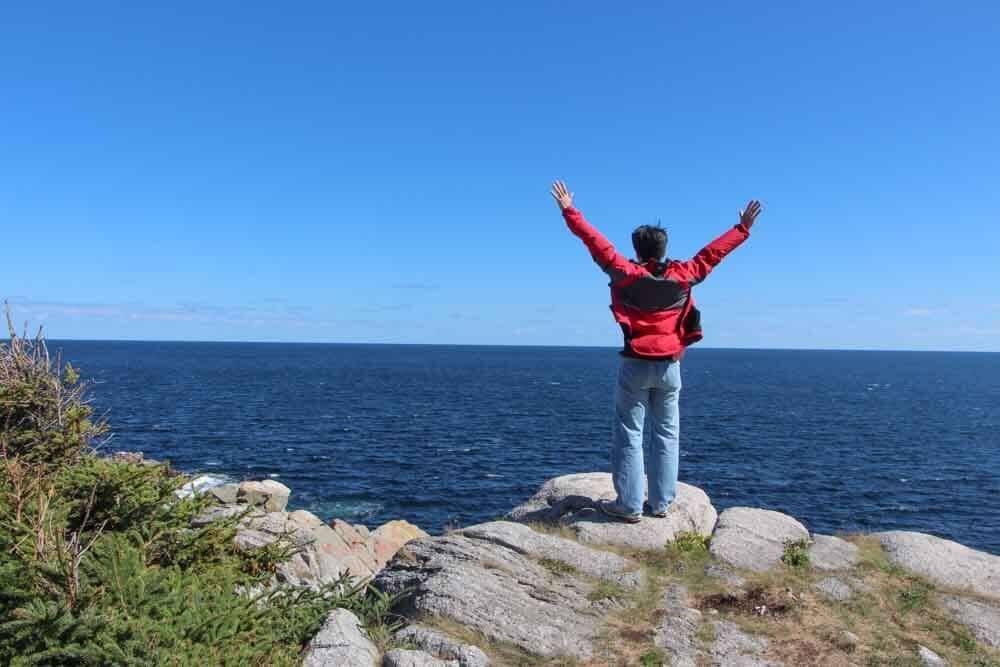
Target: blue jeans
(646, 388)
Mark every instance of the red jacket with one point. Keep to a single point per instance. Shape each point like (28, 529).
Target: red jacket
(652, 302)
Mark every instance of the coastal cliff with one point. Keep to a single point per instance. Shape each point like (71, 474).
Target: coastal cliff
(556, 582)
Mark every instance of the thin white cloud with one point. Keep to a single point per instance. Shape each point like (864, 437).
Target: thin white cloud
(921, 312)
(198, 313)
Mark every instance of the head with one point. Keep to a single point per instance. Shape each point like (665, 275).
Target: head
(650, 243)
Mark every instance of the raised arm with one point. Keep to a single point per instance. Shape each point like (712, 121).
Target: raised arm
(698, 267)
(601, 249)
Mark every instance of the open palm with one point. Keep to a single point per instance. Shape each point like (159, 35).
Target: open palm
(562, 196)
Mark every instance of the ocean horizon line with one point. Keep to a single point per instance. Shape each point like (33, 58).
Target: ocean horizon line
(498, 345)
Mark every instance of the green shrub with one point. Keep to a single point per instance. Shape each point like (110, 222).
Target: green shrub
(45, 417)
(690, 542)
(99, 564)
(796, 554)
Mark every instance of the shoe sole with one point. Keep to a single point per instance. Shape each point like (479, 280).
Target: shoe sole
(626, 518)
(658, 515)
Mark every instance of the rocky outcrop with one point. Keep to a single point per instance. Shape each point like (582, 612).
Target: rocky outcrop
(387, 539)
(324, 552)
(407, 658)
(980, 616)
(269, 494)
(735, 648)
(725, 574)
(929, 658)
(572, 501)
(341, 642)
(678, 625)
(442, 646)
(834, 588)
(504, 580)
(546, 581)
(944, 562)
(676, 634)
(832, 553)
(754, 539)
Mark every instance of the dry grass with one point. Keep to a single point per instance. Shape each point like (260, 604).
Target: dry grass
(802, 626)
(890, 621)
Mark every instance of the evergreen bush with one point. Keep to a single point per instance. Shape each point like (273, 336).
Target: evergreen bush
(99, 564)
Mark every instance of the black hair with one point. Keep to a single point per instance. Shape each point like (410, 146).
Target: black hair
(650, 242)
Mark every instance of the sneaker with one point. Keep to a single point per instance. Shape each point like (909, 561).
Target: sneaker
(648, 509)
(616, 511)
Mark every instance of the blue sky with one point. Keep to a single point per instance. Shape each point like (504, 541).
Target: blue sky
(378, 172)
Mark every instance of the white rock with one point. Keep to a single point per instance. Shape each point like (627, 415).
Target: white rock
(982, 617)
(832, 553)
(754, 539)
(677, 628)
(572, 501)
(929, 658)
(847, 641)
(272, 495)
(496, 579)
(341, 642)
(735, 648)
(834, 588)
(943, 561)
(724, 574)
(406, 658)
(442, 645)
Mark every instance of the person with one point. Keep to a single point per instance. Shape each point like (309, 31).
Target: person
(651, 301)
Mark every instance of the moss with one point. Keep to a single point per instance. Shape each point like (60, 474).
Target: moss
(914, 596)
(558, 567)
(607, 590)
(705, 634)
(653, 658)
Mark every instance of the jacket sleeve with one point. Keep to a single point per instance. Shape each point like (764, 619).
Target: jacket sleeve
(698, 267)
(601, 249)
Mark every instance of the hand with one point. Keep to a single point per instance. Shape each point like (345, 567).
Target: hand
(562, 196)
(749, 215)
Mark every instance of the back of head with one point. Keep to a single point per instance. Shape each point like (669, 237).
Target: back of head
(650, 242)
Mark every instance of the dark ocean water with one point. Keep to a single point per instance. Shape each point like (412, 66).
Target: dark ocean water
(443, 435)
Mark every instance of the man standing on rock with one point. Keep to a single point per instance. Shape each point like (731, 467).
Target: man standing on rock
(651, 300)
